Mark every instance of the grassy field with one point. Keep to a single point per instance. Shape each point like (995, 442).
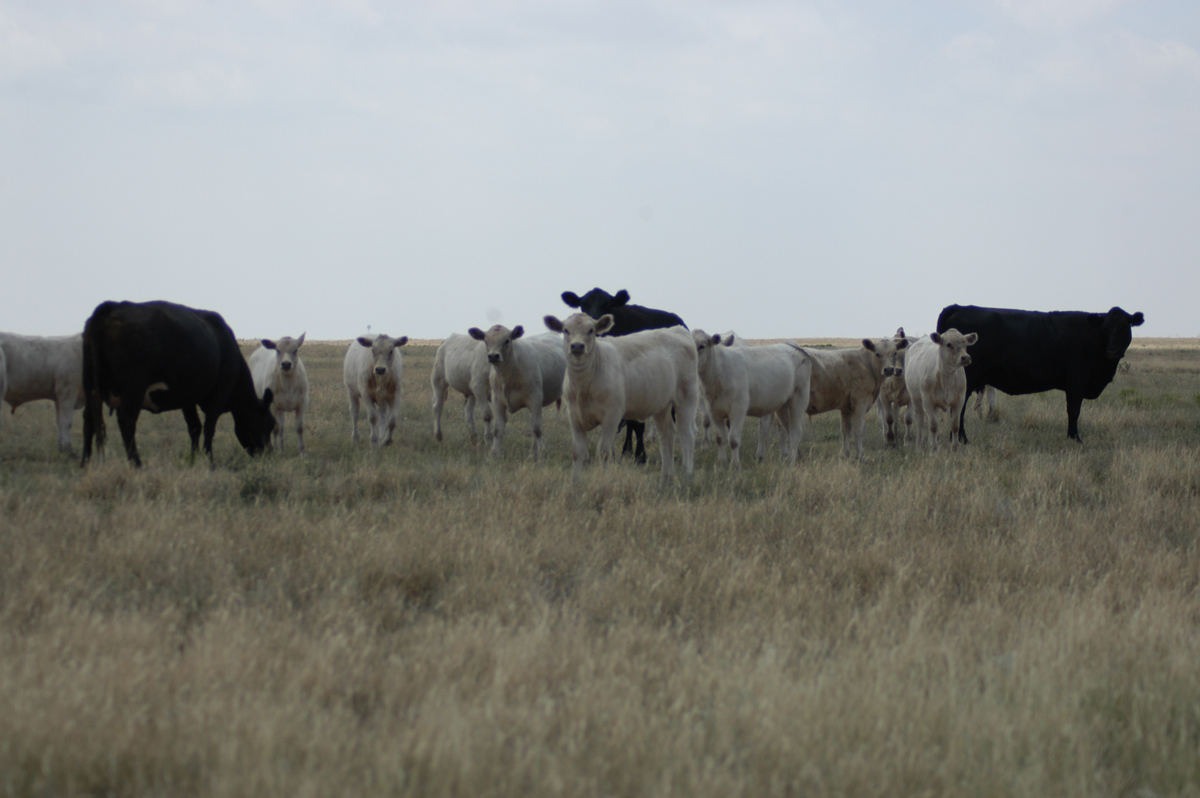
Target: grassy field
(1017, 617)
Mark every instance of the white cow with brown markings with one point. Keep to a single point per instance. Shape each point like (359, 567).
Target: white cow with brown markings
(642, 375)
(936, 381)
(277, 365)
(372, 372)
(526, 373)
(45, 367)
(461, 364)
(848, 380)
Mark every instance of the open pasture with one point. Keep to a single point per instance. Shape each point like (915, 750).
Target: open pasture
(1019, 616)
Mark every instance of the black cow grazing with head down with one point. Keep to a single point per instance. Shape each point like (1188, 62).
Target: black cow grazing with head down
(626, 319)
(160, 356)
(1027, 351)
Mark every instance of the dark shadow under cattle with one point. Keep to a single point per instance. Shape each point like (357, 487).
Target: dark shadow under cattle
(1028, 351)
(159, 356)
(626, 319)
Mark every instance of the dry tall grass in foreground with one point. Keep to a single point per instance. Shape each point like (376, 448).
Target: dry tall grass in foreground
(1017, 618)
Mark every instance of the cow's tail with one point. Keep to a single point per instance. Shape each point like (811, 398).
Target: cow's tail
(94, 380)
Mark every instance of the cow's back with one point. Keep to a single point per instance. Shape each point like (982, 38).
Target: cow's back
(658, 364)
(838, 375)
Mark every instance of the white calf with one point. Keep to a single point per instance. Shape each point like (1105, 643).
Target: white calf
(848, 380)
(935, 379)
(757, 381)
(461, 364)
(277, 365)
(637, 376)
(46, 368)
(372, 371)
(526, 373)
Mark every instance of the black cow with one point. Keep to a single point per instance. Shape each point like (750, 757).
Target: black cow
(161, 356)
(626, 319)
(1028, 351)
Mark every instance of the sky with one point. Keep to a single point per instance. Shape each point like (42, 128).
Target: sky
(782, 169)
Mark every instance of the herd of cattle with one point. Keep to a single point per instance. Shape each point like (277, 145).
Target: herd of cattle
(612, 363)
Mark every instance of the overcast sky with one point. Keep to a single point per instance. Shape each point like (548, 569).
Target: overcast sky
(791, 169)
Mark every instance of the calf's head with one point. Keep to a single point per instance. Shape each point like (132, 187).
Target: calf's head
(704, 346)
(498, 341)
(952, 348)
(381, 352)
(887, 353)
(287, 351)
(579, 332)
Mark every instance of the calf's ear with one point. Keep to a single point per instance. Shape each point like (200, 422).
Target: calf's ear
(1137, 319)
(268, 343)
(935, 337)
(517, 332)
(621, 298)
(300, 340)
(716, 339)
(902, 343)
(365, 341)
(604, 324)
(869, 344)
(571, 298)
(401, 341)
(972, 338)
(476, 333)
(553, 324)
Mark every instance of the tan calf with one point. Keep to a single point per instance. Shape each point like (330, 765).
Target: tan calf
(848, 380)
(893, 402)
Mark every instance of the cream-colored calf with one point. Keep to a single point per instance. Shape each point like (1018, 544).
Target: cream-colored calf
(936, 381)
(277, 365)
(51, 368)
(527, 373)
(758, 381)
(634, 377)
(461, 364)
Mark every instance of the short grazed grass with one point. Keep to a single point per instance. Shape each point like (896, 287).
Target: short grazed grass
(1016, 617)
